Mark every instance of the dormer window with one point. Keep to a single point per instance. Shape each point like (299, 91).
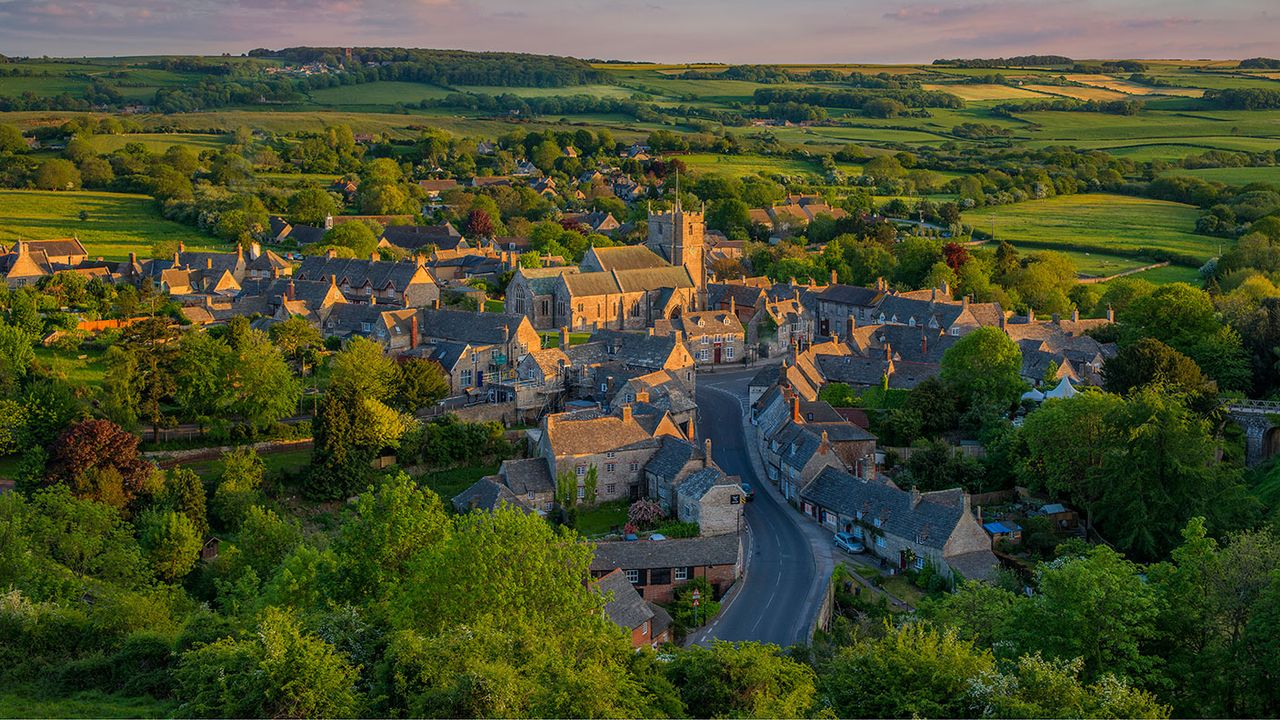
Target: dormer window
(876, 522)
(366, 327)
(912, 322)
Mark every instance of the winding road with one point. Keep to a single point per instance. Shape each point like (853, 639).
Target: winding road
(788, 559)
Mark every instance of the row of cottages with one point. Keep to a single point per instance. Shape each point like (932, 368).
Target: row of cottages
(908, 529)
(405, 284)
(844, 306)
(798, 438)
(1059, 349)
(712, 337)
(30, 260)
(656, 568)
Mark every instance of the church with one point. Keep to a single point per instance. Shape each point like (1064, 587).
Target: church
(621, 288)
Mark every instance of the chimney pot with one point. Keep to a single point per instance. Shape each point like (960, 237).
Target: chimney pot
(1075, 315)
(795, 409)
(706, 453)
(833, 277)
(1031, 315)
(564, 338)
(626, 413)
(1111, 314)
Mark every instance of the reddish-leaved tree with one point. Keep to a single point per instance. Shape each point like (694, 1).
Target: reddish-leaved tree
(99, 460)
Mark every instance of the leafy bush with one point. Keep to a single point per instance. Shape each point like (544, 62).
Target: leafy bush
(687, 617)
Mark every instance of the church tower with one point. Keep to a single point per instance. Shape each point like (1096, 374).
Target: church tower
(677, 236)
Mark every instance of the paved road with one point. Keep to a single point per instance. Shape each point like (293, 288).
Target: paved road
(779, 597)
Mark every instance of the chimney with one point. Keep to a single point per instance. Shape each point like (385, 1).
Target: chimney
(288, 293)
(626, 413)
(833, 277)
(331, 254)
(328, 222)
(413, 331)
(642, 395)
(924, 342)
(133, 258)
(795, 409)
(1075, 315)
(1031, 315)
(564, 337)
(869, 467)
(255, 250)
(435, 304)
(964, 303)
(480, 303)
(888, 351)
(706, 453)
(506, 334)
(208, 263)
(850, 324)
(933, 297)
(333, 280)
(652, 331)
(880, 284)
(915, 497)
(373, 299)
(824, 445)
(182, 247)
(946, 289)
(1111, 314)
(733, 305)
(1003, 319)
(374, 256)
(792, 281)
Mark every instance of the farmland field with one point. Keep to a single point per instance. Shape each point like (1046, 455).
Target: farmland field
(984, 91)
(1235, 176)
(609, 91)
(117, 223)
(1078, 93)
(739, 165)
(384, 92)
(1102, 233)
(158, 142)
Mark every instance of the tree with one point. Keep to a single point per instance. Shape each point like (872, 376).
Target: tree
(239, 488)
(171, 542)
(184, 493)
(1096, 607)
(911, 671)
(480, 224)
(200, 376)
(742, 680)
(262, 388)
(1184, 318)
(276, 672)
(644, 513)
(590, 483)
(88, 538)
(58, 174)
(298, 339)
(419, 383)
(1151, 362)
(310, 206)
(89, 448)
(362, 370)
(11, 140)
(985, 368)
(1037, 687)
(265, 539)
(16, 357)
(355, 236)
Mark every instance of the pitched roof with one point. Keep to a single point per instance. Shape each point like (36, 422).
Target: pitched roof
(671, 458)
(58, 247)
(379, 274)
(623, 606)
(625, 257)
(474, 327)
(928, 518)
(591, 433)
(527, 475)
(644, 554)
(699, 482)
(850, 295)
(636, 349)
(542, 281)
(486, 494)
(413, 237)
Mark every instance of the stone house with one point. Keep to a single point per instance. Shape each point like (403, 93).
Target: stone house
(618, 446)
(475, 348)
(532, 292)
(713, 337)
(711, 499)
(661, 391)
(656, 569)
(402, 284)
(906, 528)
(396, 330)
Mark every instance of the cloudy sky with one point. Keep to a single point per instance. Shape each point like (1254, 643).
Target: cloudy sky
(662, 30)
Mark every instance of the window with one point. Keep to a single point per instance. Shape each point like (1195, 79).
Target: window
(634, 466)
(719, 338)
(582, 492)
(610, 489)
(880, 541)
(611, 454)
(911, 322)
(604, 387)
(728, 353)
(582, 470)
(919, 563)
(466, 378)
(682, 573)
(366, 327)
(955, 331)
(660, 576)
(876, 522)
(735, 499)
(633, 576)
(859, 514)
(610, 467)
(644, 629)
(857, 532)
(706, 339)
(631, 398)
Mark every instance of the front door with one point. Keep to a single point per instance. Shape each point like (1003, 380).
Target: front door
(717, 354)
(479, 378)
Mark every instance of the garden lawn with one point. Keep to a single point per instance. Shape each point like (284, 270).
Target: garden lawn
(117, 223)
(740, 165)
(1104, 233)
(901, 587)
(79, 368)
(602, 518)
(273, 463)
(447, 483)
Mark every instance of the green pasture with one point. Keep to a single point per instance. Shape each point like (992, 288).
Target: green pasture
(159, 142)
(117, 223)
(1099, 231)
(383, 92)
(1238, 176)
(603, 91)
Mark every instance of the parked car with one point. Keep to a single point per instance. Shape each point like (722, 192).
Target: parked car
(848, 543)
(747, 492)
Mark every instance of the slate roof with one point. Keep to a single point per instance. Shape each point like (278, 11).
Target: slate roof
(476, 328)
(687, 552)
(413, 237)
(702, 322)
(930, 523)
(700, 481)
(624, 606)
(671, 458)
(528, 475)
(543, 280)
(850, 295)
(637, 349)
(306, 234)
(446, 353)
(58, 248)
(592, 434)
(312, 292)
(351, 318)
(380, 274)
(486, 494)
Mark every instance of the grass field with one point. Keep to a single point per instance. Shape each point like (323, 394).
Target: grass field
(384, 92)
(289, 460)
(159, 142)
(117, 224)
(1235, 176)
(1078, 93)
(608, 91)
(79, 368)
(448, 483)
(984, 92)
(739, 165)
(18, 701)
(1097, 230)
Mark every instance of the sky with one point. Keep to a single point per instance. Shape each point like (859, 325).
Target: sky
(735, 31)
